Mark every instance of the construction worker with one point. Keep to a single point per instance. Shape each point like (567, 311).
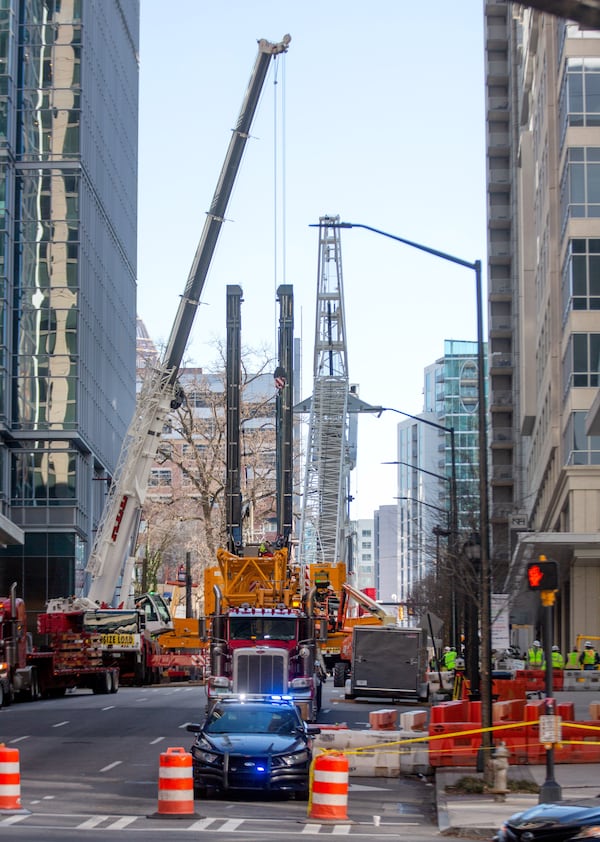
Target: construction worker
(558, 662)
(573, 660)
(449, 658)
(535, 656)
(589, 658)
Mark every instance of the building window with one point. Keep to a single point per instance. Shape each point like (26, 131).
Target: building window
(581, 364)
(580, 94)
(159, 476)
(578, 448)
(581, 276)
(580, 185)
(366, 545)
(45, 476)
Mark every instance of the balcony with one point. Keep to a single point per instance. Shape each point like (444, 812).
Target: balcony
(502, 474)
(501, 400)
(501, 325)
(501, 511)
(500, 290)
(502, 437)
(499, 178)
(500, 362)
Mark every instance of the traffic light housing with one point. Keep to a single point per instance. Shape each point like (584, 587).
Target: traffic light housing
(542, 575)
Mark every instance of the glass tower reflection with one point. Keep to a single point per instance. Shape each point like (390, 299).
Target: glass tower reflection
(68, 177)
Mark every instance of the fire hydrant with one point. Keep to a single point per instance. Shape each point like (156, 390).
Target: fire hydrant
(500, 768)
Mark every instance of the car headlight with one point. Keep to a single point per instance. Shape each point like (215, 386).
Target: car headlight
(205, 753)
(207, 757)
(298, 758)
(591, 832)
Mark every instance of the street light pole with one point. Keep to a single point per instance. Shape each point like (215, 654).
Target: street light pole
(485, 566)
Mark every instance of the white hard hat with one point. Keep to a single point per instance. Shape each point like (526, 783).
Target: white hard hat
(536, 643)
(446, 648)
(588, 643)
(555, 649)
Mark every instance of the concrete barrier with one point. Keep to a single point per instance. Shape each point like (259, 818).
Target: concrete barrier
(574, 680)
(366, 759)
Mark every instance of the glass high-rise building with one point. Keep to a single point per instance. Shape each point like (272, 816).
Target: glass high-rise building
(425, 464)
(68, 179)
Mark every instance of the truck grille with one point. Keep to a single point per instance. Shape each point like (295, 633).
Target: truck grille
(260, 673)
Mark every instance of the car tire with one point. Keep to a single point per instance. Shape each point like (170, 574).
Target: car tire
(339, 674)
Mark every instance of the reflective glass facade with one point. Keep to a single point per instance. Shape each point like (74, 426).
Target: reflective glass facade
(68, 210)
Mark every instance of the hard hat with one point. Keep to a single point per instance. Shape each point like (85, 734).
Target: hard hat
(588, 644)
(555, 649)
(536, 643)
(446, 648)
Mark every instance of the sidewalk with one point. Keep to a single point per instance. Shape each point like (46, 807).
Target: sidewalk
(480, 815)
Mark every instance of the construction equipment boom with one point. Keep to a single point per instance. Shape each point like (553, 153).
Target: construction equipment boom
(112, 556)
(128, 636)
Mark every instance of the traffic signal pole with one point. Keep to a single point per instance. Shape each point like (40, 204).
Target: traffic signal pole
(550, 790)
(542, 576)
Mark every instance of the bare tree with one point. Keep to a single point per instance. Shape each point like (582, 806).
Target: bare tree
(185, 507)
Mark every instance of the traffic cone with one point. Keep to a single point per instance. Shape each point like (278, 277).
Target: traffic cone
(10, 781)
(328, 800)
(175, 785)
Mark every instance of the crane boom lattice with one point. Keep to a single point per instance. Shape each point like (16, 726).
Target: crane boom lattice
(323, 509)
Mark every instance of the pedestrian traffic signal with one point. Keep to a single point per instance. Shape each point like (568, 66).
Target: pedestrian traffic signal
(542, 575)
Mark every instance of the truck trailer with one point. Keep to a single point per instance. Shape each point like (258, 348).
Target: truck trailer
(71, 657)
(389, 662)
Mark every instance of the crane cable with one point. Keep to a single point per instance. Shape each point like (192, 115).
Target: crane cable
(279, 171)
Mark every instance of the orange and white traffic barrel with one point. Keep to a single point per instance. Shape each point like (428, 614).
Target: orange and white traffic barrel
(328, 800)
(175, 784)
(10, 781)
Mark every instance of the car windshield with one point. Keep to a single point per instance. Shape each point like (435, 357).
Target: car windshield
(251, 719)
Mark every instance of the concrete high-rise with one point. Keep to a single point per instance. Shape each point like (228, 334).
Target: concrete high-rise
(543, 185)
(68, 147)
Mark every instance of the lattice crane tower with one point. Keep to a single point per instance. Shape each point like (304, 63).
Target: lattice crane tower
(329, 457)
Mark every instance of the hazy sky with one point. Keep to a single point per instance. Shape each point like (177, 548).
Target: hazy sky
(378, 117)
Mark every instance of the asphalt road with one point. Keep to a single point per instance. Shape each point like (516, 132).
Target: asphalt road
(89, 771)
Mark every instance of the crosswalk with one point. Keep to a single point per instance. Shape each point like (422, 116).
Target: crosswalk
(216, 824)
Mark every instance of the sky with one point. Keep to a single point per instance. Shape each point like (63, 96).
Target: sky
(375, 115)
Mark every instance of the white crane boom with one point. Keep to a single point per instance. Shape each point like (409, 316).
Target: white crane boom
(111, 559)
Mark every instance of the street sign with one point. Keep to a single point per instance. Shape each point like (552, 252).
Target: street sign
(550, 729)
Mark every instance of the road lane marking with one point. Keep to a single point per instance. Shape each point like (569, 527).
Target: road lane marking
(93, 822)
(111, 766)
(157, 740)
(13, 819)
(121, 823)
(19, 739)
(311, 828)
(60, 724)
(110, 707)
(340, 830)
(230, 825)
(185, 725)
(201, 825)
